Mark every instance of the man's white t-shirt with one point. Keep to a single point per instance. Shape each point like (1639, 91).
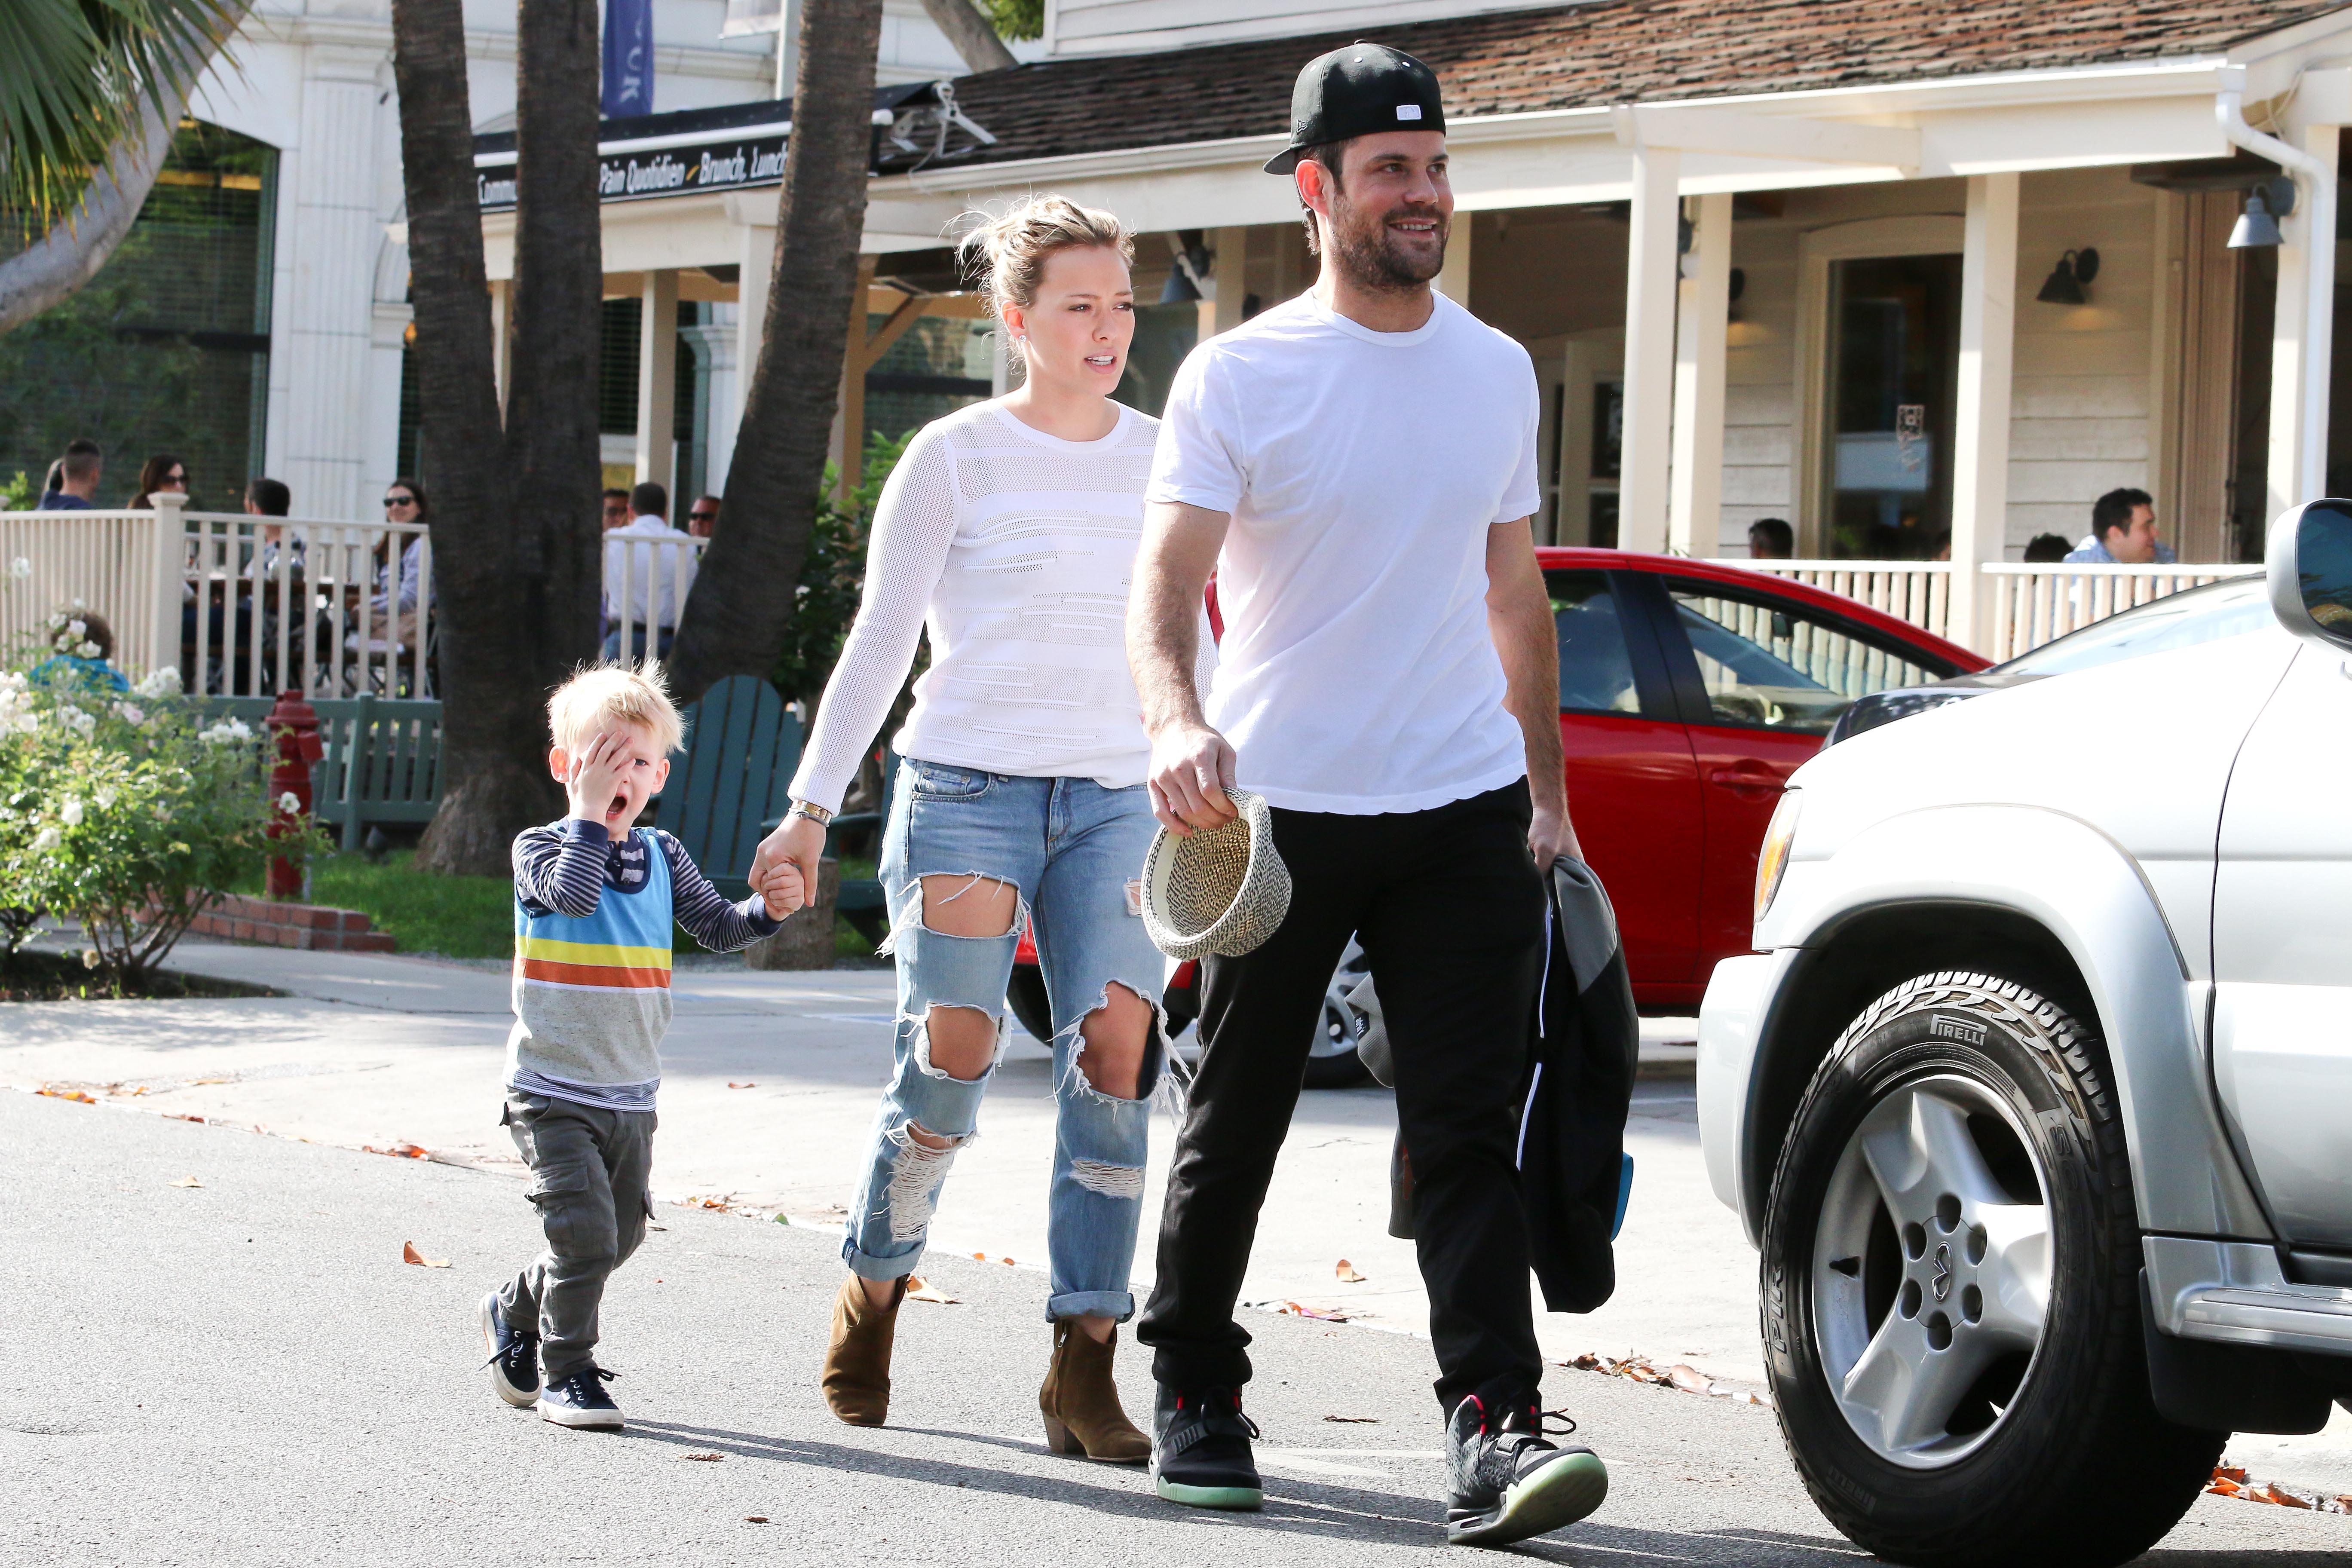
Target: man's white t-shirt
(1362, 471)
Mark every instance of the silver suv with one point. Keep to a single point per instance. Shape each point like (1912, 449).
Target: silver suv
(2037, 1093)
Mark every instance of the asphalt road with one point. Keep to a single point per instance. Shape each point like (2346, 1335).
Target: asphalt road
(245, 1371)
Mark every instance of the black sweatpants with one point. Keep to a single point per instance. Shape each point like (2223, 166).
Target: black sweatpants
(1450, 910)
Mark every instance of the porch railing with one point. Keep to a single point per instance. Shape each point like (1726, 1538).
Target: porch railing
(242, 605)
(1920, 592)
(2029, 603)
(2033, 604)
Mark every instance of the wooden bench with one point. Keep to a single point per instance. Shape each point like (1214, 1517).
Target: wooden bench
(732, 778)
(382, 761)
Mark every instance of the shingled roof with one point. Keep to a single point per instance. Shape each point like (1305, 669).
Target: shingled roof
(1607, 51)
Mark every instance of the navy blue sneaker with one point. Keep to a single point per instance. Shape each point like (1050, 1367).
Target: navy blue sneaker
(514, 1356)
(1200, 1449)
(578, 1399)
(1507, 1481)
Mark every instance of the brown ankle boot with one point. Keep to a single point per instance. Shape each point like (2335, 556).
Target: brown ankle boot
(1080, 1403)
(857, 1378)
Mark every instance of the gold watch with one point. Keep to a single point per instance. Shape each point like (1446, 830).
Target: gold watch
(815, 814)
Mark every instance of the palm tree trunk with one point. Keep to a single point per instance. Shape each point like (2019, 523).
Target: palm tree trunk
(742, 598)
(73, 249)
(514, 510)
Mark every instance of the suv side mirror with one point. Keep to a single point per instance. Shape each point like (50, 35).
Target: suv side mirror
(2309, 564)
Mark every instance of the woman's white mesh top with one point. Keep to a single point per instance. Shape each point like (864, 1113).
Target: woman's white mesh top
(1018, 549)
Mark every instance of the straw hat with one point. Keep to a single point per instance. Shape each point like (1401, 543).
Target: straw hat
(1222, 891)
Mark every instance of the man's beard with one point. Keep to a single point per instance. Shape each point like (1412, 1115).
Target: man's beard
(1369, 254)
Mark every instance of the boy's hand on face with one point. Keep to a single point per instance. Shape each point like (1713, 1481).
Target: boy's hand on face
(783, 888)
(595, 777)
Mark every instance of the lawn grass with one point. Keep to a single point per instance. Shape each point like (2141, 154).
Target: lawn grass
(466, 916)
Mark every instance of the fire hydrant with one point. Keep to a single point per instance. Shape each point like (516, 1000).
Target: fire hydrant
(294, 724)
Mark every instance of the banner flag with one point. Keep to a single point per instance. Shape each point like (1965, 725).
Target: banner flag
(628, 58)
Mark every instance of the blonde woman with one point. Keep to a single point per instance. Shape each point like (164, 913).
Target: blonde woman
(1009, 529)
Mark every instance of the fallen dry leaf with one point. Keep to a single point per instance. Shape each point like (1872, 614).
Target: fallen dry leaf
(408, 1253)
(921, 1289)
(1355, 1420)
(1320, 1314)
(1689, 1379)
(187, 1181)
(67, 1094)
(399, 1150)
(1346, 1273)
(706, 1459)
(197, 1080)
(2273, 1493)
(755, 1518)
(182, 1116)
(743, 1086)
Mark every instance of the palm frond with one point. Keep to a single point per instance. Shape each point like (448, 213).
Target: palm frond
(77, 76)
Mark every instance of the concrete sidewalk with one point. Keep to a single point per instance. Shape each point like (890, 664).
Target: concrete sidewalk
(768, 1098)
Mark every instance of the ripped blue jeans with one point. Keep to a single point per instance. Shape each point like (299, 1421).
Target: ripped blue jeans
(1075, 852)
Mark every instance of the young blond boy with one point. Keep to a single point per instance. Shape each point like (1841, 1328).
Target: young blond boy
(595, 896)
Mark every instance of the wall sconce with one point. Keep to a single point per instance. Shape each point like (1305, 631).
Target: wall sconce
(2074, 269)
(2257, 226)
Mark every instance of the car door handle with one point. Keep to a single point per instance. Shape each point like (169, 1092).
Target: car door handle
(1747, 781)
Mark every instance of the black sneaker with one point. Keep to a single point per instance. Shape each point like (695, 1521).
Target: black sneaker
(578, 1399)
(514, 1356)
(1507, 1481)
(1200, 1449)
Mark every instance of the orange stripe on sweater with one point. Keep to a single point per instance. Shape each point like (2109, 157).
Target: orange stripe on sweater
(614, 976)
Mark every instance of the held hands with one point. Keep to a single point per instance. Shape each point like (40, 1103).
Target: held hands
(783, 868)
(595, 776)
(784, 889)
(1192, 768)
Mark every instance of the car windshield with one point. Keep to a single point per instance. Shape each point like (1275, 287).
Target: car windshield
(2203, 615)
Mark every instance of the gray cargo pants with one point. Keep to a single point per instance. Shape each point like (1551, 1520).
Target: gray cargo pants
(588, 1173)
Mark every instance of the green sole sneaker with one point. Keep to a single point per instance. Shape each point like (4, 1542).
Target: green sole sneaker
(1240, 1500)
(1558, 1494)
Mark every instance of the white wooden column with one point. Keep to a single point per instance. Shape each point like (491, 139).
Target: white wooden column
(755, 257)
(1454, 280)
(502, 335)
(1650, 289)
(1228, 281)
(1702, 335)
(657, 380)
(2301, 338)
(1981, 429)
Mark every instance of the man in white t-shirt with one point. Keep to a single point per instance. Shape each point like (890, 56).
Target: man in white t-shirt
(1359, 466)
(649, 569)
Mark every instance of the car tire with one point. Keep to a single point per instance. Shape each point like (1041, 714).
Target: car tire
(1025, 995)
(1959, 1154)
(1332, 1060)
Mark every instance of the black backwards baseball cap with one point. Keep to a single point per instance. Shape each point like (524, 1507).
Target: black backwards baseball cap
(1355, 91)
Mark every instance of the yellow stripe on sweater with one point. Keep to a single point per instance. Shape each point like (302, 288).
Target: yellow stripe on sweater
(605, 954)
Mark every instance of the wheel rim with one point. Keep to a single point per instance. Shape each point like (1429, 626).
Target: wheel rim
(1931, 1271)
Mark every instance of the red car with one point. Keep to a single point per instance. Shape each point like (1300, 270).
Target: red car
(1689, 691)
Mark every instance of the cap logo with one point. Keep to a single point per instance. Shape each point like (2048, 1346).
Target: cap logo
(1408, 111)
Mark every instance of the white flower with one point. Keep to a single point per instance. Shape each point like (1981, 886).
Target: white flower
(80, 722)
(80, 628)
(81, 604)
(130, 712)
(70, 812)
(90, 958)
(227, 730)
(106, 797)
(163, 681)
(20, 569)
(14, 680)
(289, 802)
(48, 838)
(57, 621)
(91, 650)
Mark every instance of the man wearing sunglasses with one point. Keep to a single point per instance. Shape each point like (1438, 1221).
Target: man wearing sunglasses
(703, 517)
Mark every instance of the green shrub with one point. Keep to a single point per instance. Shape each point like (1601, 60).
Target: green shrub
(129, 811)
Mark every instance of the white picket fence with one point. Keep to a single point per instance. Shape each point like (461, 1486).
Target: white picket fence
(241, 605)
(2030, 604)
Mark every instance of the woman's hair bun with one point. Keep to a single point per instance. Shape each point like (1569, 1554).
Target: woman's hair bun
(1005, 254)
